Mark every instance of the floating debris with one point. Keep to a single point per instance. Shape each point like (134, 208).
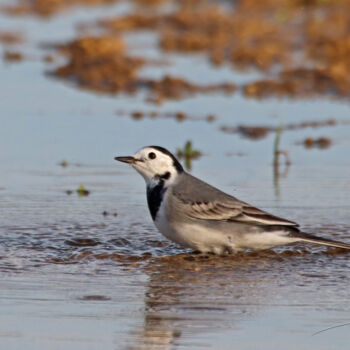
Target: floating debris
(259, 132)
(211, 118)
(94, 298)
(82, 242)
(12, 56)
(179, 116)
(63, 164)
(69, 192)
(11, 38)
(321, 142)
(106, 213)
(253, 132)
(315, 124)
(49, 58)
(138, 115)
(82, 191)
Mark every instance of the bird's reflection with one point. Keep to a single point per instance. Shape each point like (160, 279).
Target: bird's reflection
(192, 295)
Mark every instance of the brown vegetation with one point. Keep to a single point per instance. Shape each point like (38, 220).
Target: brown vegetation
(257, 132)
(307, 41)
(176, 88)
(302, 47)
(101, 64)
(47, 7)
(11, 38)
(179, 116)
(226, 36)
(321, 142)
(12, 56)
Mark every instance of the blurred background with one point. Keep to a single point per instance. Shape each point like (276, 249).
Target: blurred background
(252, 96)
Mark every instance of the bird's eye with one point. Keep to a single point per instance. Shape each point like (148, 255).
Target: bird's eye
(151, 155)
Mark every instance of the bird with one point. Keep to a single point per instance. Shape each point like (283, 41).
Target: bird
(196, 215)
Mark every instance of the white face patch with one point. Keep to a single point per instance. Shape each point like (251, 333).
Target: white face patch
(154, 165)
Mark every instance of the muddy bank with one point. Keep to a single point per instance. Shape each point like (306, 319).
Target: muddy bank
(288, 42)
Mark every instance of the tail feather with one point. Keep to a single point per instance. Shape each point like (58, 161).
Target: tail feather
(305, 237)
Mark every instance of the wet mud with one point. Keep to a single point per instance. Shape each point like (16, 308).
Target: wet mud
(47, 8)
(179, 116)
(287, 37)
(258, 132)
(11, 38)
(287, 41)
(101, 64)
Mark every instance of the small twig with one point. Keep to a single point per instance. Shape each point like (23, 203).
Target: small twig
(329, 328)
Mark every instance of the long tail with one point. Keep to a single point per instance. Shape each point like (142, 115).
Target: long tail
(324, 241)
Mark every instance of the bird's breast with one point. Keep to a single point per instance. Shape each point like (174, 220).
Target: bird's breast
(164, 220)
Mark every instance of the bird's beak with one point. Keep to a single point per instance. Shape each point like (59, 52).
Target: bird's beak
(129, 160)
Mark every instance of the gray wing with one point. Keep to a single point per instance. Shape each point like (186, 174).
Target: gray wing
(234, 211)
(199, 200)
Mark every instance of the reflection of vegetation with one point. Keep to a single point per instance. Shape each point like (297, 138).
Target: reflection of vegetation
(276, 158)
(188, 153)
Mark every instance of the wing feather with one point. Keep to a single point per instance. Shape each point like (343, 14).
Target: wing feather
(235, 211)
(213, 204)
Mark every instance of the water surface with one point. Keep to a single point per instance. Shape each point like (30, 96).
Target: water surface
(72, 277)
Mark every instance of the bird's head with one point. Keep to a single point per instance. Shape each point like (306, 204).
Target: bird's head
(155, 164)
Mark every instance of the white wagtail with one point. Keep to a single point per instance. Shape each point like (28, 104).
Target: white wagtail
(194, 214)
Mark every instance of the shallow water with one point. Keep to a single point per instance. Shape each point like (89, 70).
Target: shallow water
(72, 277)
